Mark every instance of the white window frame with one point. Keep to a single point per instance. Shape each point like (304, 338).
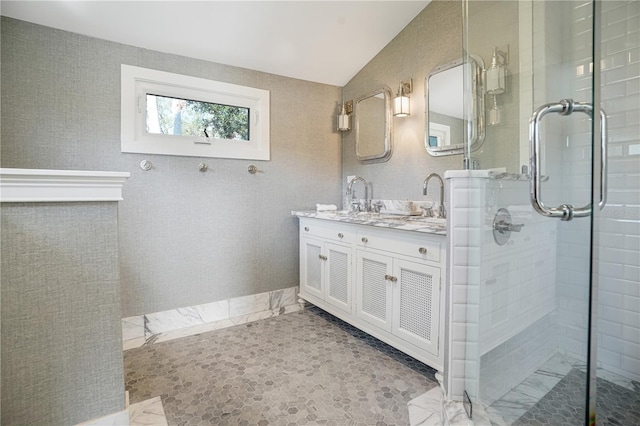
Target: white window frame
(137, 82)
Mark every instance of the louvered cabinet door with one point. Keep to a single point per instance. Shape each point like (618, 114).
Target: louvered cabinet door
(311, 267)
(373, 289)
(416, 304)
(338, 276)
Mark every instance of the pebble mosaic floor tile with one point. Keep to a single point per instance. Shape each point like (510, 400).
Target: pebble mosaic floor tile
(303, 368)
(564, 404)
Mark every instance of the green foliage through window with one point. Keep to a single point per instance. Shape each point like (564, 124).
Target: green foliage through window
(173, 116)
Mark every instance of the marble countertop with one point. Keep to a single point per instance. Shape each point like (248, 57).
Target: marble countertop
(428, 225)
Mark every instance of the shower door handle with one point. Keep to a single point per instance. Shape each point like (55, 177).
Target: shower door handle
(564, 211)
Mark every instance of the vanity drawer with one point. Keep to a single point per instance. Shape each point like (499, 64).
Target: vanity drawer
(327, 230)
(416, 245)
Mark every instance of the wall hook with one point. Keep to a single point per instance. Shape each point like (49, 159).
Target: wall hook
(146, 165)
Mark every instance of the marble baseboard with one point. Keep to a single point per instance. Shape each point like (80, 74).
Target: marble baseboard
(149, 412)
(175, 323)
(121, 418)
(609, 375)
(616, 378)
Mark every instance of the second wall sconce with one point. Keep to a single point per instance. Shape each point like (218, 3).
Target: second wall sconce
(344, 118)
(496, 74)
(496, 83)
(401, 101)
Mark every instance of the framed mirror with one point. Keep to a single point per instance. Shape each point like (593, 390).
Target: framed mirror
(374, 139)
(445, 108)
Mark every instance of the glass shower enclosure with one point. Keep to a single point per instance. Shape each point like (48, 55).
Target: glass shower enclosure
(545, 297)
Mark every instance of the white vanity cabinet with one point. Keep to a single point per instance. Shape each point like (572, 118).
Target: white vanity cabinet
(398, 284)
(326, 267)
(383, 281)
(400, 297)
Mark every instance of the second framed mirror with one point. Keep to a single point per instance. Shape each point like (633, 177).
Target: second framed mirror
(445, 115)
(374, 133)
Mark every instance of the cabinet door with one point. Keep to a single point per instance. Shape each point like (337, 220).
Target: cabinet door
(338, 276)
(416, 304)
(311, 267)
(373, 289)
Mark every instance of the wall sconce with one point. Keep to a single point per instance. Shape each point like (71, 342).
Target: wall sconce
(401, 101)
(344, 118)
(496, 74)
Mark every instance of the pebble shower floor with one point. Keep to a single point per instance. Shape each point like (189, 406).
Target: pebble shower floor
(302, 368)
(565, 404)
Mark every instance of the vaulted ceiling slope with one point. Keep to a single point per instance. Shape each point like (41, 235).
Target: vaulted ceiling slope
(322, 41)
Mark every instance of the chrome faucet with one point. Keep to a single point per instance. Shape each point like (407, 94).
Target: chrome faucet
(441, 212)
(366, 189)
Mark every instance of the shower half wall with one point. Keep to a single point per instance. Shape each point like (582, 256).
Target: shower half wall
(503, 300)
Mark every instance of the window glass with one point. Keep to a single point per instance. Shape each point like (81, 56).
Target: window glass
(173, 116)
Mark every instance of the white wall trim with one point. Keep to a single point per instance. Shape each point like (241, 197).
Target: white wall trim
(39, 185)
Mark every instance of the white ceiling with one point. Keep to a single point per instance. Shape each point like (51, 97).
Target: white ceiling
(322, 41)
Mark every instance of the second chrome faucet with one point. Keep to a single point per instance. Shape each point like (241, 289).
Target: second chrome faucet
(441, 211)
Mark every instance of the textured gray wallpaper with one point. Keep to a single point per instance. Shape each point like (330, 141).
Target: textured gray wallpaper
(495, 23)
(433, 38)
(61, 348)
(186, 237)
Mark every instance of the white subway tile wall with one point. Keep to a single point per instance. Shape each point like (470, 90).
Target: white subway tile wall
(518, 293)
(518, 278)
(619, 224)
(619, 251)
(513, 361)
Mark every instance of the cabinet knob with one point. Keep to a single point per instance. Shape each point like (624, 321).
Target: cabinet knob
(390, 278)
(321, 257)
(365, 240)
(422, 250)
(340, 235)
(306, 228)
